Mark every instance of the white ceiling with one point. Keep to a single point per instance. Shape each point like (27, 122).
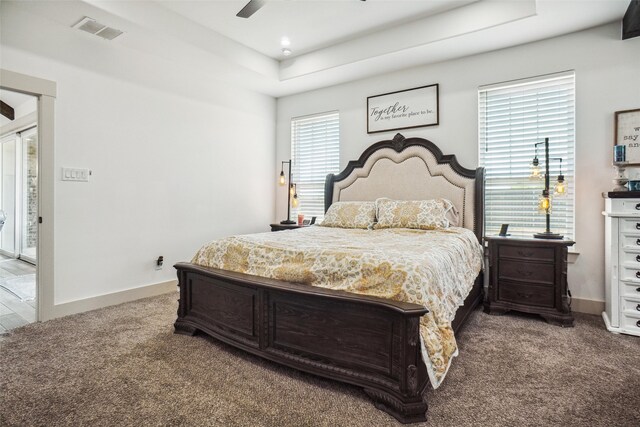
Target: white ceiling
(333, 41)
(309, 25)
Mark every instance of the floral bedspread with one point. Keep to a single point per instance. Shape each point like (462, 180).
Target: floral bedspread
(433, 268)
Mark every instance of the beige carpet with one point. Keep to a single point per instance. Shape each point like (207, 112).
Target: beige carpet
(124, 366)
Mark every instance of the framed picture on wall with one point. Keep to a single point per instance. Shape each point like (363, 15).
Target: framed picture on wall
(627, 133)
(403, 109)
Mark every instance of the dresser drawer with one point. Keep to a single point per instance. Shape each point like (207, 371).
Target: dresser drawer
(630, 324)
(632, 225)
(630, 241)
(630, 290)
(630, 307)
(630, 274)
(525, 252)
(531, 272)
(520, 293)
(630, 259)
(630, 206)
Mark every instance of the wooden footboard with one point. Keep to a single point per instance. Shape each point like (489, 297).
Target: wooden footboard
(369, 342)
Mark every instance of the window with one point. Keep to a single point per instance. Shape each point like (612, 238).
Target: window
(315, 144)
(513, 116)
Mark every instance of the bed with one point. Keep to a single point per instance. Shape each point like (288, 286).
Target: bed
(371, 342)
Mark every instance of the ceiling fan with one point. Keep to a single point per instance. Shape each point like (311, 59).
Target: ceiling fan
(252, 7)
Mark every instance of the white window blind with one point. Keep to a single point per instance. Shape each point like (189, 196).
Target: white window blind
(315, 144)
(513, 117)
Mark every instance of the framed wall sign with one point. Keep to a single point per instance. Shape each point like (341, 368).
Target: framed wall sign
(627, 133)
(404, 109)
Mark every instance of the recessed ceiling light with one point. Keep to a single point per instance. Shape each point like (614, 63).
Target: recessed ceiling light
(284, 42)
(286, 52)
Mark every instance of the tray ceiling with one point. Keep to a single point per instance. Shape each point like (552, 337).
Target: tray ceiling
(333, 41)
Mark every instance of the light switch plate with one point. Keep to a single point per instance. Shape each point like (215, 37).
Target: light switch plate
(73, 174)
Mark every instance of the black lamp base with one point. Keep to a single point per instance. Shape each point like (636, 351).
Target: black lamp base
(548, 235)
(288, 221)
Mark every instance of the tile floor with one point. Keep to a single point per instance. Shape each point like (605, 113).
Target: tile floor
(14, 312)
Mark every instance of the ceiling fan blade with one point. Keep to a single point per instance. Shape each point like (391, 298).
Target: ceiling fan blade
(7, 110)
(250, 8)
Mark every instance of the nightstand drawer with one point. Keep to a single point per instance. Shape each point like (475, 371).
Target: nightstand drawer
(519, 293)
(532, 272)
(526, 252)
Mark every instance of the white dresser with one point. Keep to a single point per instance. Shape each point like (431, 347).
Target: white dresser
(622, 265)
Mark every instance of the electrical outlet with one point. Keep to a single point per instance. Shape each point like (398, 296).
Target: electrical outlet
(159, 262)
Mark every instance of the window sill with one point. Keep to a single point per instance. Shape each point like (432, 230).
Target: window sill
(573, 256)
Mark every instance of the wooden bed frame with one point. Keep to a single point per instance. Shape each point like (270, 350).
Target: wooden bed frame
(366, 341)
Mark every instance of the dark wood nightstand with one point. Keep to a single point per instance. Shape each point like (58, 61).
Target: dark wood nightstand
(280, 227)
(529, 275)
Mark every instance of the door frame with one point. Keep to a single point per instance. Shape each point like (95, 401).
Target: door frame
(45, 91)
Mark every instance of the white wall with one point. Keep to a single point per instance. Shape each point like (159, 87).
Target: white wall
(607, 79)
(177, 158)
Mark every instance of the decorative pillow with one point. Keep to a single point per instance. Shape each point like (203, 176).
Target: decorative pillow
(421, 214)
(350, 215)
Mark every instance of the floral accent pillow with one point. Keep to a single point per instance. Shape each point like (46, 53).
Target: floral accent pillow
(420, 214)
(350, 215)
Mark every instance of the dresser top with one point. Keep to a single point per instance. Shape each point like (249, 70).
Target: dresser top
(621, 195)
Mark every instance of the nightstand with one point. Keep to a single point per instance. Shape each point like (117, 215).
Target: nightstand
(529, 275)
(280, 227)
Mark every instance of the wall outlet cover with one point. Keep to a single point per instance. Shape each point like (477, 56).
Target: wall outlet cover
(74, 174)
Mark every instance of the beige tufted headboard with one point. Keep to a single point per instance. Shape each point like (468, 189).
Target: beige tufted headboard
(411, 169)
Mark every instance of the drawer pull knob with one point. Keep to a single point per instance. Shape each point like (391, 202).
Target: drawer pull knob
(638, 242)
(525, 296)
(638, 258)
(529, 273)
(638, 274)
(637, 289)
(637, 225)
(638, 307)
(638, 206)
(638, 323)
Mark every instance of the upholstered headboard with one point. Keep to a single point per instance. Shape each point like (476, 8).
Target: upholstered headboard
(411, 169)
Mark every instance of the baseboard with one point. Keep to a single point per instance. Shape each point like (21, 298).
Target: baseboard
(578, 305)
(93, 303)
(588, 306)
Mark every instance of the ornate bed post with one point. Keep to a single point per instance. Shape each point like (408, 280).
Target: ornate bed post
(410, 405)
(183, 304)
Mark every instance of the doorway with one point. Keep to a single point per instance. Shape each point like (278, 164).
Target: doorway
(45, 91)
(18, 209)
